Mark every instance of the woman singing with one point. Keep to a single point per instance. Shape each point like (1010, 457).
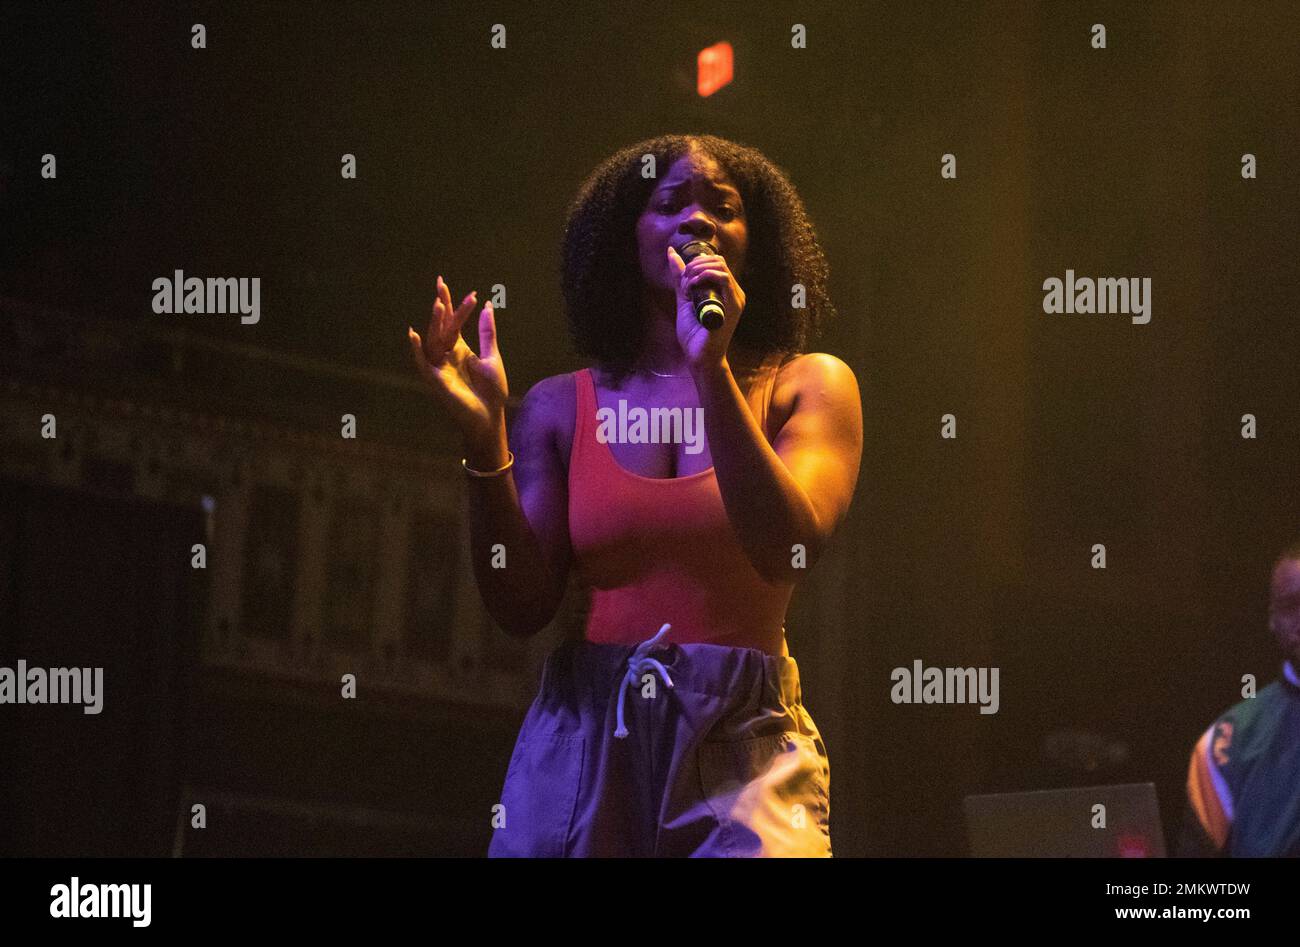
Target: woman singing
(676, 727)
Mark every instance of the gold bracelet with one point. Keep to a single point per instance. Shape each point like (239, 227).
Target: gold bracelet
(464, 462)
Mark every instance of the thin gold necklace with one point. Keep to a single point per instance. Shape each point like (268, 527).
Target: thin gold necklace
(742, 372)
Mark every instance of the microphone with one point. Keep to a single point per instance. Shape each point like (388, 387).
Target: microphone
(708, 305)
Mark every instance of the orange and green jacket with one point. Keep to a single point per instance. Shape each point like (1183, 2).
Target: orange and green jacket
(1243, 780)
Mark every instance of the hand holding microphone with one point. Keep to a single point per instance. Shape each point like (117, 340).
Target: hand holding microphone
(708, 305)
(709, 301)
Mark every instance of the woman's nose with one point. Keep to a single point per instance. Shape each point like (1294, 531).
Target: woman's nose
(698, 225)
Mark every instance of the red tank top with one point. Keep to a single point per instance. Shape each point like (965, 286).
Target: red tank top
(662, 550)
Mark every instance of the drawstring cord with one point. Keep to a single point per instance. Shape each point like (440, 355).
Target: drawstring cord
(637, 664)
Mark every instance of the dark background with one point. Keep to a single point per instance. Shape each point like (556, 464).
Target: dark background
(1073, 429)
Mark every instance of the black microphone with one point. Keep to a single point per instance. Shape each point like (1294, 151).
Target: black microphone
(708, 305)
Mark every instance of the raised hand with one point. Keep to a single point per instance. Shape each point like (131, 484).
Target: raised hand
(472, 388)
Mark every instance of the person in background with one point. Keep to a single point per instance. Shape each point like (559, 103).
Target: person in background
(1243, 780)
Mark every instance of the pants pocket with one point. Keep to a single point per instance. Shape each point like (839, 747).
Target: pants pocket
(769, 794)
(539, 797)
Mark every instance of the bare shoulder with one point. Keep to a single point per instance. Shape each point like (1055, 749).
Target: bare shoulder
(817, 375)
(546, 415)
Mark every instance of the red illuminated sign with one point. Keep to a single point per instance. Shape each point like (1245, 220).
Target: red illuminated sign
(1133, 846)
(714, 68)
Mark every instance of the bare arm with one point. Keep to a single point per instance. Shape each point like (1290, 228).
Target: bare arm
(526, 511)
(523, 511)
(798, 489)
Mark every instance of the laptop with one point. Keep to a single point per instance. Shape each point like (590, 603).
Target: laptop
(1061, 823)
